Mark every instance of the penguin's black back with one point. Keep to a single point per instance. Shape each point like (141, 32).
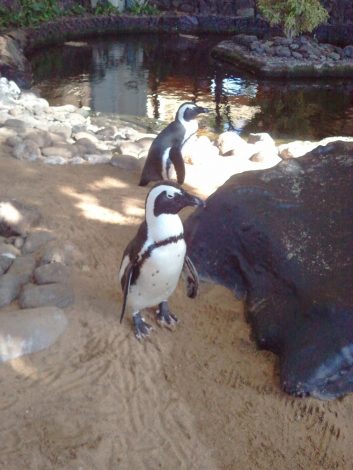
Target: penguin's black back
(172, 135)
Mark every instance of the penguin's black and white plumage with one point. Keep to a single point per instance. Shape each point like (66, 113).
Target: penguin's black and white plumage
(165, 151)
(153, 261)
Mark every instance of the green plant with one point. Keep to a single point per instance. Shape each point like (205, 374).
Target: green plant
(77, 10)
(294, 16)
(30, 13)
(142, 8)
(105, 8)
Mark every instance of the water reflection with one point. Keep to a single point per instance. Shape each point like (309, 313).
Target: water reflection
(151, 75)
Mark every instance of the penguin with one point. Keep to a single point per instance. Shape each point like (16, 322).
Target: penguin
(154, 259)
(165, 150)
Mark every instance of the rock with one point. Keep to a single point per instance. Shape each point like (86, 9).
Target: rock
(17, 218)
(64, 130)
(13, 62)
(297, 55)
(282, 51)
(27, 151)
(107, 133)
(9, 91)
(145, 143)
(87, 146)
(40, 137)
(5, 262)
(17, 124)
(58, 295)
(230, 142)
(10, 286)
(130, 148)
(55, 160)
(31, 330)
(8, 249)
(57, 151)
(36, 240)
(262, 137)
(295, 149)
(286, 249)
(86, 135)
(97, 159)
(348, 52)
(198, 150)
(77, 161)
(126, 162)
(23, 268)
(52, 273)
(14, 141)
(65, 108)
(56, 252)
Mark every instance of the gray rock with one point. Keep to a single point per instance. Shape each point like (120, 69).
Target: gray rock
(87, 146)
(130, 148)
(126, 162)
(17, 218)
(107, 133)
(27, 331)
(145, 143)
(282, 51)
(55, 160)
(5, 262)
(348, 52)
(52, 273)
(40, 137)
(77, 161)
(58, 295)
(64, 130)
(95, 159)
(10, 286)
(27, 150)
(56, 252)
(297, 55)
(86, 135)
(15, 123)
(36, 240)
(9, 249)
(23, 268)
(57, 151)
(14, 140)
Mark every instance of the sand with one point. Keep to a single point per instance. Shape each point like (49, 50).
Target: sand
(200, 397)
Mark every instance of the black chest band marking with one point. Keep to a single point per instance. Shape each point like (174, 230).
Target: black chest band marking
(146, 254)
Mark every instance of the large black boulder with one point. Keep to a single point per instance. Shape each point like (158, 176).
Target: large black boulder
(282, 239)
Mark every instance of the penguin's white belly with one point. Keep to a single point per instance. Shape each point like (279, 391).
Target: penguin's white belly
(158, 277)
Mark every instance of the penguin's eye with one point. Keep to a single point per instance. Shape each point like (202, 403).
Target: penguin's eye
(170, 196)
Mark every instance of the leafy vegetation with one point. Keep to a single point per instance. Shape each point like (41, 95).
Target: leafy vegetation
(142, 8)
(294, 16)
(32, 13)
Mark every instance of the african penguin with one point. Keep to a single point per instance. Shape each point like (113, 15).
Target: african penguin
(153, 261)
(165, 150)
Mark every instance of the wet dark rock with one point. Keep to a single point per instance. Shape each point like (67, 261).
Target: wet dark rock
(58, 295)
(282, 240)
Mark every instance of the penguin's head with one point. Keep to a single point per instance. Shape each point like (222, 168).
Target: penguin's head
(189, 111)
(169, 198)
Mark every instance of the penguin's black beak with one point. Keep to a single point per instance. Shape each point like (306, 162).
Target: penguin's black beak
(201, 110)
(191, 200)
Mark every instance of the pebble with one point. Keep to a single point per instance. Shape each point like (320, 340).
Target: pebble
(10, 286)
(52, 273)
(37, 240)
(23, 268)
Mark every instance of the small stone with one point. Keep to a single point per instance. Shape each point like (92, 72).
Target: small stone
(37, 240)
(10, 286)
(15, 123)
(58, 295)
(52, 273)
(31, 330)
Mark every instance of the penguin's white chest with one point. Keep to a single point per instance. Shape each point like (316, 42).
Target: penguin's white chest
(158, 277)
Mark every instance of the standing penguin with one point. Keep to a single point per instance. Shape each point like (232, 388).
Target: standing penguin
(165, 150)
(153, 261)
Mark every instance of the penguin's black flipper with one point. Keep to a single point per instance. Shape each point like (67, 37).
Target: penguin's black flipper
(192, 278)
(126, 285)
(178, 162)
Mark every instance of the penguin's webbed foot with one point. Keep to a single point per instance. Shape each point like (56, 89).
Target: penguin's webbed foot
(141, 328)
(165, 317)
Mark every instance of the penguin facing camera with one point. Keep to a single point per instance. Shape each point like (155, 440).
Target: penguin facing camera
(155, 258)
(165, 151)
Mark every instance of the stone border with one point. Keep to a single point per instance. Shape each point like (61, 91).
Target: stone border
(240, 52)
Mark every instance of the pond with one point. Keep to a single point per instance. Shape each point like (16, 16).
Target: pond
(150, 75)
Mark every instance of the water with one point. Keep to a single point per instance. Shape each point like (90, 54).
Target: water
(149, 76)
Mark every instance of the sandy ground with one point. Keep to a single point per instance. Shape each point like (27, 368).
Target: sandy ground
(200, 397)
